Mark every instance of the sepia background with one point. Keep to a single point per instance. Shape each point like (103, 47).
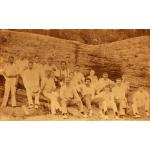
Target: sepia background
(98, 14)
(116, 51)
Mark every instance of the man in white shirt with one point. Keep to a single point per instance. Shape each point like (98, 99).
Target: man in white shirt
(141, 98)
(51, 66)
(88, 96)
(78, 76)
(11, 79)
(107, 102)
(93, 77)
(49, 90)
(31, 80)
(119, 92)
(104, 81)
(38, 66)
(22, 63)
(69, 96)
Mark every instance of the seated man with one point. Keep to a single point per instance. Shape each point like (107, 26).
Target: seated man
(69, 96)
(107, 102)
(118, 93)
(102, 82)
(140, 98)
(48, 89)
(88, 96)
(31, 80)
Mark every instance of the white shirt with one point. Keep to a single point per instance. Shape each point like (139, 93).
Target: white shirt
(88, 90)
(102, 83)
(21, 65)
(48, 85)
(31, 79)
(118, 92)
(79, 77)
(10, 70)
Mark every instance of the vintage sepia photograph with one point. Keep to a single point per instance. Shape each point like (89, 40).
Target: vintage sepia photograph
(74, 74)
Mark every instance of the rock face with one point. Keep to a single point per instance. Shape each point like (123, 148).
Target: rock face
(130, 56)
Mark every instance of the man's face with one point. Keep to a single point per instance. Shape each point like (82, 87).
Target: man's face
(141, 89)
(63, 65)
(88, 82)
(50, 61)
(30, 65)
(105, 75)
(92, 72)
(11, 60)
(118, 81)
(71, 75)
(77, 68)
(107, 89)
(37, 59)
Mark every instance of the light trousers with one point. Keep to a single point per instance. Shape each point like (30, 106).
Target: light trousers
(30, 96)
(10, 87)
(71, 101)
(53, 98)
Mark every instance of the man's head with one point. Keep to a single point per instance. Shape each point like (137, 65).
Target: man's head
(92, 72)
(11, 59)
(107, 89)
(71, 75)
(67, 81)
(63, 64)
(118, 81)
(50, 60)
(77, 68)
(48, 73)
(124, 77)
(105, 75)
(87, 81)
(141, 88)
(30, 64)
(23, 56)
(37, 59)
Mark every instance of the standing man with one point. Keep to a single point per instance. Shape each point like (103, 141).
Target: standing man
(141, 98)
(119, 97)
(93, 77)
(31, 80)
(38, 66)
(11, 78)
(69, 96)
(78, 76)
(63, 73)
(21, 63)
(49, 90)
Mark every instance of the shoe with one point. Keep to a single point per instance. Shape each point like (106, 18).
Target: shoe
(137, 116)
(36, 106)
(30, 106)
(65, 116)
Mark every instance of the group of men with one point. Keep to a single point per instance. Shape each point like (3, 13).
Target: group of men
(63, 87)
